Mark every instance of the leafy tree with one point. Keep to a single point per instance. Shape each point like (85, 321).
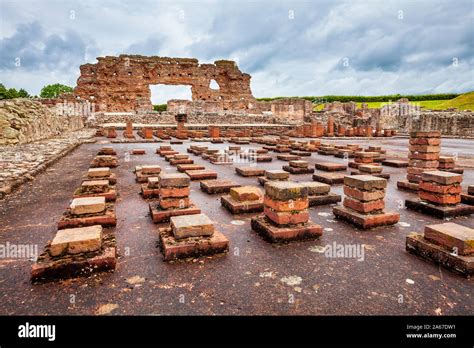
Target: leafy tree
(12, 93)
(22, 93)
(52, 91)
(3, 91)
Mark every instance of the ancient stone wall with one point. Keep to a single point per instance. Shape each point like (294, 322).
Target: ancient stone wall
(289, 108)
(196, 118)
(26, 120)
(122, 83)
(459, 123)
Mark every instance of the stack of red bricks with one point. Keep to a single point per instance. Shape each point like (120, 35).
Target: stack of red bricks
(439, 195)
(244, 199)
(286, 215)
(423, 156)
(363, 157)
(298, 167)
(174, 198)
(364, 202)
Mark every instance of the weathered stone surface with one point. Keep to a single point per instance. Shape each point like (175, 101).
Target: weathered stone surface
(88, 205)
(441, 199)
(443, 178)
(425, 134)
(98, 186)
(217, 186)
(246, 193)
(151, 169)
(153, 182)
(298, 164)
(452, 235)
(98, 172)
(366, 221)
(277, 174)
(174, 180)
(365, 182)
(285, 190)
(174, 202)
(191, 226)
(330, 166)
(329, 178)
(136, 73)
(370, 168)
(204, 174)
(250, 171)
(174, 192)
(316, 188)
(76, 240)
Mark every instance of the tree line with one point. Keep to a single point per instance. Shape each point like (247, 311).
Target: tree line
(48, 91)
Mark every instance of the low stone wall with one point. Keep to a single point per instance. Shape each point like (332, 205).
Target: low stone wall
(25, 120)
(169, 118)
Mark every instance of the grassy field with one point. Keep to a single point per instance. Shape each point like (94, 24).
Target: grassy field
(463, 102)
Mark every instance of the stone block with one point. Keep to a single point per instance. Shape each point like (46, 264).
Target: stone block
(249, 171)
(138, 151)
(246, 193)
(370, 168)
(241, 207)
(316, 188)
(298, 164)
(76, 240)
(95, 186)
(365, 221)
(452, 236)
(277, 174)
(441, 189)
(365, 182)
(443, 178)
(329, 178)
(439, 211)
(192, 247)
(98, 172)
(197, 225)
(286, 217)
(395, 163)
(275, 234)
(285, 190)
(204, 174)
(174, 180)
(87, 205)
(217, 186)
(439, 199)
(187, 167)
(330, 166)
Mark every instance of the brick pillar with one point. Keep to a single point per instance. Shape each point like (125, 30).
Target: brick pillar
(111, 133)
(330, 129)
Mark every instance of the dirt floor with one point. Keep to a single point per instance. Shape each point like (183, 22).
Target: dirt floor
(255, 277)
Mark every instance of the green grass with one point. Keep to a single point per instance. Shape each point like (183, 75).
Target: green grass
(462, 102)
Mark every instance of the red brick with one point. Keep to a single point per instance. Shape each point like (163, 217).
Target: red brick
(424, 156)
(286, 218)
(290, 205)
(168, 203)
(425, 141)
(437, 188)
(246, 193)
(423, 164)
(439, 199)
(174, 192)
(364, 196)
(364, 207)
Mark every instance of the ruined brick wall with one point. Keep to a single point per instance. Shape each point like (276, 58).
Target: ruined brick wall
(26, 120)
(120, 84)
(169, 118)
(294, 109)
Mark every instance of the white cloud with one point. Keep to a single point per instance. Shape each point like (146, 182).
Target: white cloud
(286, 56)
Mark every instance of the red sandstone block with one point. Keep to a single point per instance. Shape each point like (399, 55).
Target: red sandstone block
(174, 192)
(365, 182)
(286, 206)
(168, 203)
(437, 188)
(424, 148)
(416, 171)
(364, 207)
(366, 221)
(451, 236)
(286, 218)
(423, 156)
(439, 199)
(423, 164)
(364, 196)
(425, 141)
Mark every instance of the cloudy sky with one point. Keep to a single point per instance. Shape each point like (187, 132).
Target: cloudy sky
(291, 48)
